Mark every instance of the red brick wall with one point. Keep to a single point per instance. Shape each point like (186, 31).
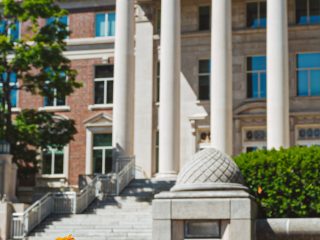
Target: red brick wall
(82, 25)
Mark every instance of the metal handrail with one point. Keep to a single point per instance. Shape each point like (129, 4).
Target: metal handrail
(71, 202)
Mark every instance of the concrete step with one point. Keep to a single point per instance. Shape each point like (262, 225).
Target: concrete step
(125, 217)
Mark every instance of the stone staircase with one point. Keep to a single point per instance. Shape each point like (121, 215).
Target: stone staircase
(124, 217)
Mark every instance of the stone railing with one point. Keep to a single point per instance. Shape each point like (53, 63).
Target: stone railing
(73, 202)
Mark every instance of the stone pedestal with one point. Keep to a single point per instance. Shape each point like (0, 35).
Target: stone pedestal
(8, 177)
(6, 211)
(233, 212)
(207, 202)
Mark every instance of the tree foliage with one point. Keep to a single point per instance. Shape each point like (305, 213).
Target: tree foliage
(285, 183)
(37, 61)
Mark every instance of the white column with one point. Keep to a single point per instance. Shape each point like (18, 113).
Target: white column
(143, 128)
(123, 107)
(277, 75)
(169, 112)
(221, 76)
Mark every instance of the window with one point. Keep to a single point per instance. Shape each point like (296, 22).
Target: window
(103, 84)
(308, 74)
(307, 12)
(204, 79)
(204, 18)
(157, 152)
(13, 86)
(308, 135)
(13, 32)
(55, 100)
(53, 161)
(254, 139)
(257, 14)
(158, 21)
(63, 20)
(105, 24)
(256, 77)
(102, 153)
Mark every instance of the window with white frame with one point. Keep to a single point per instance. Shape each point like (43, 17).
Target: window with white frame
(257, 14)
(308, 135)
(53, 161)
(103, 84)
(13, 30)
(13, 84)
(308, 74)
(307, 12)
(254, 139)
(55, 99)
(105, 24)
(256, 77)
(102, 153)
(204, 79)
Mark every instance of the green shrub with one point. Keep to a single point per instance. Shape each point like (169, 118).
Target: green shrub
(285, 183)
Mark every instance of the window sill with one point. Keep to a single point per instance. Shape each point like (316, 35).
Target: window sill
(55, 109)
(88, 41)
(51, 176)
(100, 107)
(16, 110)
(203, 102)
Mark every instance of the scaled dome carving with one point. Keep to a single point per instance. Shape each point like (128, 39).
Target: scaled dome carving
(209, 169)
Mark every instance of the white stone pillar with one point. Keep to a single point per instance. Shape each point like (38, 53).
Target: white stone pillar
(221, 76)
(169, 112)
(277, 74)
(123, 107)
(143, 129)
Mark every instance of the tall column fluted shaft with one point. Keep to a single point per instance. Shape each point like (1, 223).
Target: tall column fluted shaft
(169, 112)
(277, 75)
(221, 76)
(123, 112)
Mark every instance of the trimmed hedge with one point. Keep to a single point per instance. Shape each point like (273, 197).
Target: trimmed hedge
(285, 183)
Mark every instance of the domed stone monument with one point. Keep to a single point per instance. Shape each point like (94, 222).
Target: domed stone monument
(208, 201)
(209, 169)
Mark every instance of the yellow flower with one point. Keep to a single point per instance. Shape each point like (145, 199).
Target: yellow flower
(69, 237)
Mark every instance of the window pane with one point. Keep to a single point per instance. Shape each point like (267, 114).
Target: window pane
(58, 162)
(204, 66)
(308, 60)
(100, 25)
(3, 25)
(111, 24)
(301, 12)
(315, 83)
(64, 20)
(61, 101)
(263, 14)
(110, 92)
(314, 11)
(256, 63)
(263, 85)
(14, 97)
(102, 140)
(46, 163)
(251, 149)
(252, 15)
(97, 161)
(204, 18)
(252, 85)
(108, 161)
(99, 92)
(302, 77)
(105, 71)
(15, 32)
(204, 87)
(48, 101)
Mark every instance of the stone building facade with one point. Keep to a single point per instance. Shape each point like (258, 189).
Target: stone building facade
(91, 47)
